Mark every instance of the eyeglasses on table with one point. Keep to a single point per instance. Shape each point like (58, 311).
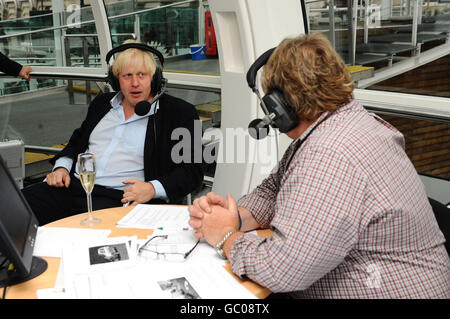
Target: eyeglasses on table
(157, 247)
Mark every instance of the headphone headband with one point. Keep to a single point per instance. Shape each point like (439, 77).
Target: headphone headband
(251, 73)
(139, 46)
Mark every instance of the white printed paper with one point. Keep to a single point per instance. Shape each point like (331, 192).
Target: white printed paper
(163, 217)
(50, 240)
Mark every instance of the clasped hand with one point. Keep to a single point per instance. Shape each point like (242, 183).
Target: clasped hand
(212, 216)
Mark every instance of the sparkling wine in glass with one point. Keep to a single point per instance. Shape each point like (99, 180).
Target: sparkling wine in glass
(86, 170)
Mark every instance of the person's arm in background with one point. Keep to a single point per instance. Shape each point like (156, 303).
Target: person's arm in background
(13, 68)
(25, 72)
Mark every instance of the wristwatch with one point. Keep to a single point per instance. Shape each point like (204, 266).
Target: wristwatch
(219, 245)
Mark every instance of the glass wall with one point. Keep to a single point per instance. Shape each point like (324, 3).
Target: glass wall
(175, 29)
(18, 43)
(44, 112)
(171, 29)
(384, 34)
(66, 36)
(390, 36)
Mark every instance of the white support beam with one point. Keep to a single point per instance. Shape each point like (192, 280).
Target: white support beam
(244, 30)
(410, 104)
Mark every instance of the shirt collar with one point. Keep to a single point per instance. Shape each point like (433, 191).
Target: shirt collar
(117, 99)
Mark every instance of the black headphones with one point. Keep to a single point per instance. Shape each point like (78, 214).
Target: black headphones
(279, 114)
(158, 81)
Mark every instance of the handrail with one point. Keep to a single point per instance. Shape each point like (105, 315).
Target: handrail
(410, 105)
(42, 149)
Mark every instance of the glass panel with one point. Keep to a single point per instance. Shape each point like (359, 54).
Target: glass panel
(80, 39)
(176, 30)
(171, 29)
(385, 33)
(430, 79)
(27, 48)
(49, 37)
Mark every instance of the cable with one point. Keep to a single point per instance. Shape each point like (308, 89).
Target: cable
(277, 136)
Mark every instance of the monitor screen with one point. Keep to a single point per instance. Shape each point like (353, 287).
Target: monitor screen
(18, 225)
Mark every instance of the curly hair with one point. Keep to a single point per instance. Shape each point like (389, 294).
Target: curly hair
(312, 76)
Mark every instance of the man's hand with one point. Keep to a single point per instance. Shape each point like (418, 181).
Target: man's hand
(220, 221)
(25, 72)
(203, 205)
(139, 192)
(59, 178)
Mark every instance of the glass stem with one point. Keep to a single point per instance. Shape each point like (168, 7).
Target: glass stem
(89, 204)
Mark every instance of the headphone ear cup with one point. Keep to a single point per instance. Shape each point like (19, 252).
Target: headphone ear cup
(113, 80)
(286, 117)
(156, 81)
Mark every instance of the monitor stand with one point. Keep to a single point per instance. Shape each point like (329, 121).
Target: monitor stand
(9, 278)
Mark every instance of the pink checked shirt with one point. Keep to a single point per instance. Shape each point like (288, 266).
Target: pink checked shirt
(350, 218)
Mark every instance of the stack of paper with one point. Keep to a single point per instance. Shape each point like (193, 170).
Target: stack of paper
(112, 268)
(51, 240)
(171, 218)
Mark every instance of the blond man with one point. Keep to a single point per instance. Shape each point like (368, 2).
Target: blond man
(133, 152)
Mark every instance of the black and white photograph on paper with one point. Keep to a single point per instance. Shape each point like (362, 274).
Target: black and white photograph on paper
(179, 288)
(108, 253)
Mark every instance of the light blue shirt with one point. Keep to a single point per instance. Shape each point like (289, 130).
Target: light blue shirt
(118, 145)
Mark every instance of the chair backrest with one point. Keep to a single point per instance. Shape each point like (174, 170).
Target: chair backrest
(442, 214)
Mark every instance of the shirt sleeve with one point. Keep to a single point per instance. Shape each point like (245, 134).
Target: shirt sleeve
(160, 192)
(261, 201)
(65, 162)
(315, 223)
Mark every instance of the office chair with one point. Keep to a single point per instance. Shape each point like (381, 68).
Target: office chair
(442, 214)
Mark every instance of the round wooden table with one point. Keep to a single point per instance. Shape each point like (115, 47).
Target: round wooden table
(109, 217)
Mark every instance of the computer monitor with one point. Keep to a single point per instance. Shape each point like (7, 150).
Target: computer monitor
(18, 229)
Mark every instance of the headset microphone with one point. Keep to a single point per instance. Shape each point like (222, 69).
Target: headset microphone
(142, 108)
(259, 128)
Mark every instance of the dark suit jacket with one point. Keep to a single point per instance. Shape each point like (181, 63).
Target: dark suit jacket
(178, 179)
(9, 66)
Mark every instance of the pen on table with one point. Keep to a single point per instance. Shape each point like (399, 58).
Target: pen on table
(126, 204)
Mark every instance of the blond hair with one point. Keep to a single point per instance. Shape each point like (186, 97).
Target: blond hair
(132, 57)
(312, 76)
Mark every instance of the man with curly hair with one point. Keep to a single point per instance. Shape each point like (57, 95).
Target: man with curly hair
(349, 214)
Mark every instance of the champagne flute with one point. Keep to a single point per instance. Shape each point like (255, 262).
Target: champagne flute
(86, 170)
